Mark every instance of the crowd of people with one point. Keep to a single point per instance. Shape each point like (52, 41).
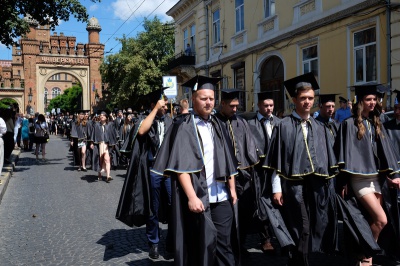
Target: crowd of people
(215, 177)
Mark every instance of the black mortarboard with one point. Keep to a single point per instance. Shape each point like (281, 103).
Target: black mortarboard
(264, 95)
(83, 111)
(230, 94)
(304, 80)
(382, 90)
(201, 82)
(155, 96)
(105, 112)
(324, 98)
(342, 99)
(368, 89)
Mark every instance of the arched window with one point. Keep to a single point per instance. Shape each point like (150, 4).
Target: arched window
(55, 92)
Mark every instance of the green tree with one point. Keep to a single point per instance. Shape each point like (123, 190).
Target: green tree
(13, 25)
(68, 101)
(7, 102)
(140, 64)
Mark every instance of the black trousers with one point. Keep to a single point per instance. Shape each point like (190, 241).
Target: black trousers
(222, 217)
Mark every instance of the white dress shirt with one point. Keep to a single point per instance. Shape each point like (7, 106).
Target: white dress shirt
(217, 191)
(267, 123)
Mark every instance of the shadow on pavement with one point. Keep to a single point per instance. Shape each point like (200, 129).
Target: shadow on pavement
(89, 178)
(149, 262)
(121, 242)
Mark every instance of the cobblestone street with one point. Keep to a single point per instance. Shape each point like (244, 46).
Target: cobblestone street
(52, 214)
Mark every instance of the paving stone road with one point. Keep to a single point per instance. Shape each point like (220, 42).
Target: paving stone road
(52, 214)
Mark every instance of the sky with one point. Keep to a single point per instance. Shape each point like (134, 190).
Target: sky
(116, 17)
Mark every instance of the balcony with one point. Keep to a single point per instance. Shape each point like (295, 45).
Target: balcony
(182, 59)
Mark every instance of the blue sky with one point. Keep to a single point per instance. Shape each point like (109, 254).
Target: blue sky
(116, 17)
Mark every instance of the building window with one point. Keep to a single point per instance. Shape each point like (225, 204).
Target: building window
(365, 55)
(239, 11)
(269, 8)
(310, 60)
(56, 77)
(185, 38)
(66, 76)
(239, 80)
(193, 37)
(216, 27)
(55, 92)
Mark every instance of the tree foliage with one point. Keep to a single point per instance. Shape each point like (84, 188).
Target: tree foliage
(140, 64)
(13, 25)
(68, 101)
(7, 102)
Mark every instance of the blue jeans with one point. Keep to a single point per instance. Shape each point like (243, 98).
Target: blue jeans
(152, 227)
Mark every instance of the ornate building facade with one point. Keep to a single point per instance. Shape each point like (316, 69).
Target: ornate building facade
(45, 64)
(256, 45)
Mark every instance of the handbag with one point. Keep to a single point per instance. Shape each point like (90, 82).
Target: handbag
(43, 133)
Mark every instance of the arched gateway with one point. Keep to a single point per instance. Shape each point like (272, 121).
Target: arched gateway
(43, 58)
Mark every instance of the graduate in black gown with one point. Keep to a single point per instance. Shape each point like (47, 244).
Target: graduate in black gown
(393, 126)
(371, 171)
(198, 157)
(304, 163)
(261, 127)
(79, 140)
(247, 155)
(146, 196)
(103, 139)
(325, 117)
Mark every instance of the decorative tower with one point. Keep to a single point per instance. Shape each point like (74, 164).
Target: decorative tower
(95, 53)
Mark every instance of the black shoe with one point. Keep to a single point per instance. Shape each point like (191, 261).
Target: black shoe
(153, 253)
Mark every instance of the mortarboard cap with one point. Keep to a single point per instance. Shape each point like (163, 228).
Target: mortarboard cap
(266, 95)
(324, 98)
(230, 94)
(342, 99)
(304, 80)
(368, 89)
(155, 96)
(104, 112)
(83, 111)
(201, 82)
(382, 90)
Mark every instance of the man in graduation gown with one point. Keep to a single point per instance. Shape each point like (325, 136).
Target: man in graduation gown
(325, 117)
(198, 157)
(145, 186)
(247, 155)
(304, 162)
(261, 127)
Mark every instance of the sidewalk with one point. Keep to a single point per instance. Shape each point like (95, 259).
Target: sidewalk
(7, 172)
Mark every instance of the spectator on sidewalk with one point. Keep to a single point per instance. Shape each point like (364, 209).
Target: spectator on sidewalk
(40, 128)
(17, 130)
(25, 132)
(31, 127)
(8, 137)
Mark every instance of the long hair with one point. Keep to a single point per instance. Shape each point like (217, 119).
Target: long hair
(127, 123)
(358, 108)
(81, 121)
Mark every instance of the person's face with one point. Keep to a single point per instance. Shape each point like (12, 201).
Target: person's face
(369, 102)
(397, 111)
(103, 118)
(81, 116)
(343, 104)
(229, 107)
(120, 114)
(304, 101)
(266, 107)
(203, 102)
(86, 115)
(327, 109)
(163, 110)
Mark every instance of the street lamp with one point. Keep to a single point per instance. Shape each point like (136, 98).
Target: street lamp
(30, 95)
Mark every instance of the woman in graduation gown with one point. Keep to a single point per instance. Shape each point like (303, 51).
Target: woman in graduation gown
(369, 170)
(124, 137)
(103, 138)
(79, 136)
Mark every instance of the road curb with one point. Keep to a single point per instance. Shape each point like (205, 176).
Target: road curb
(7, 172)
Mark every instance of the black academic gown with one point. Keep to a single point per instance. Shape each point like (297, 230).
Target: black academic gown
(305, 167)
(78, 133)
(124, 133)
(134, 203)
(364, 157)
(181, 152)
(331, 127)
(109, 136)
(261, 184)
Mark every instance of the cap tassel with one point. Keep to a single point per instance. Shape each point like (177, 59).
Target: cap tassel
(355, 99)
(195, 87)
(396, 101)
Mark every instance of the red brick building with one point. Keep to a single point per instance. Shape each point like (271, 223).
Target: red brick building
(45, 64)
